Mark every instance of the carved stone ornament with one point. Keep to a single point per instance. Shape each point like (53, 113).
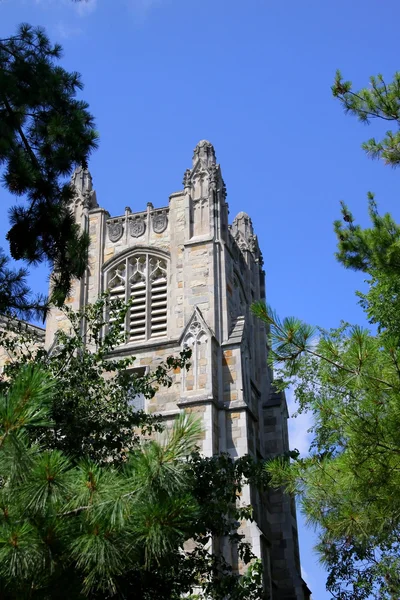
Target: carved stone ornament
(253, 244)
(137, 227)
(160, 222)
(115, 230)
(241, 242)
(213, 174)
(186, 178)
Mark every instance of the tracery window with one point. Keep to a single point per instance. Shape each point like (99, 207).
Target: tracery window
(141, 279)
(196, 338)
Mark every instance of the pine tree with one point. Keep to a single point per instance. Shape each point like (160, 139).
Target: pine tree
(15, 295)
(380, 101)
(348, 484)
(45, 131)
(349, 380)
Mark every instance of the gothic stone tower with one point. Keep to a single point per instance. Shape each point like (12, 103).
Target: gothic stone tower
(193, 278)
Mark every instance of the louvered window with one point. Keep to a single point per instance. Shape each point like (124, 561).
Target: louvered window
(142, 279)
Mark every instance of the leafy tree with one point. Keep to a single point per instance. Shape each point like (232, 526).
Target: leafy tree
(89, 509)
(45, 131)
(92, 401)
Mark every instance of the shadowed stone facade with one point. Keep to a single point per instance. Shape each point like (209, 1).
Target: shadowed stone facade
(193, 278)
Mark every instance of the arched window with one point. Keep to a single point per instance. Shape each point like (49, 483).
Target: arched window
(142, 279)
(197, 377)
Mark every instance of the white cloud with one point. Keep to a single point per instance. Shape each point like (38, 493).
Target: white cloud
(80, 7)
(298, 426)
(307, 578)
(65, 31)
(85, 7)
(304, 574)
(45, 3)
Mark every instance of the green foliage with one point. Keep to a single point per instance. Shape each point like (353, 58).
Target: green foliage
(44, 133)
(382, 304)
(15, 296)
(379, 101)
(348, 484)
(369, 250)
(90, 509)
(100, 519)
(376, 252)
(92, 414)
(349, 380)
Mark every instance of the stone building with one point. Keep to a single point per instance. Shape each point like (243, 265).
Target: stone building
(193, 277)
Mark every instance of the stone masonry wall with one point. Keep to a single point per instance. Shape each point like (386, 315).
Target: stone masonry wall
(213, 273)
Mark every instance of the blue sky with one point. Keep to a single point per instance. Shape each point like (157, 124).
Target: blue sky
(254, 78)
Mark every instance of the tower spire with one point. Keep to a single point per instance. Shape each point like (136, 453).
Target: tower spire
(204, 152)
(82, 182)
